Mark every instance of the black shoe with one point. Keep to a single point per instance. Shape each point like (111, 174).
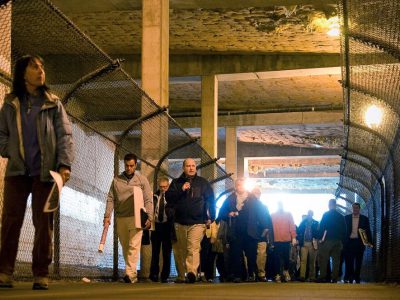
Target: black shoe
(153, 278)
(164, 280)
(237, 280)
(6, 284)
(179, 280)
(251, 279)
(301, 279)
(320, 280)
(40, 286)
(6, 281)
(190, 277)
(262, 279)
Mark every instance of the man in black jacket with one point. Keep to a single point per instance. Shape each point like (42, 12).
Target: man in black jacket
(354, 246)
(332, 233)
(161, 236)
(248, 218)
(190, 199)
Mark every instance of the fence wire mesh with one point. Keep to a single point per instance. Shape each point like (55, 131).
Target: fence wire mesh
(111, 116)
(370, 164)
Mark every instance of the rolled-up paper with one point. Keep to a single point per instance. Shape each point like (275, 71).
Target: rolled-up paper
(103, 238)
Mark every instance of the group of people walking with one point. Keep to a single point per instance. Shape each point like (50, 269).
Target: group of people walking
(245, 241)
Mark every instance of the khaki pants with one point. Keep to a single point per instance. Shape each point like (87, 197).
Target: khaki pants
(307, 256)
(130, 238)
(188, 247)
(145, 261)
(261, 258)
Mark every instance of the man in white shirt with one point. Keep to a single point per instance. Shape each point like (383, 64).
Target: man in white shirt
(161, 236)
(354, 247)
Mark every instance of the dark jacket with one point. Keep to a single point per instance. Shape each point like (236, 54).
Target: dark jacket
(335, 226)
(302, 228)
(257, 219)
(54, 135)
(193, 206)
(363, 223)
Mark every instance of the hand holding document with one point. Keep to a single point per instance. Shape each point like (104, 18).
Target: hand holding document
(364, 238)
(143, 217)
(53, 200)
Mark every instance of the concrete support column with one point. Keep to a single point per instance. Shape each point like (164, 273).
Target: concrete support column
(209, 114)
(231, 151)
(5, 68)
(155, 80)
(155, 49)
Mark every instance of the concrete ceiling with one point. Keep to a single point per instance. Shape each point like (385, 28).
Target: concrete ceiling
(278, 70)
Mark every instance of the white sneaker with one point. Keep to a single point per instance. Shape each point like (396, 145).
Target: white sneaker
(287, 276)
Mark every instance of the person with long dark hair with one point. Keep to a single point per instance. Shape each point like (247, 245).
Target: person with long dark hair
(36, 137)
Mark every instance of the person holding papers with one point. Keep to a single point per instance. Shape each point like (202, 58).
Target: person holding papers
(354, 246)
(130, 195)
(35, 137)
(332, 232)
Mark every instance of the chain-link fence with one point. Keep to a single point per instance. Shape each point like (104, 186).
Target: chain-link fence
(111, 116)
(370, 161)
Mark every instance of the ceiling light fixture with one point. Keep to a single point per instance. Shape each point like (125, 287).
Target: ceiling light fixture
(334, 27)
(373, 116)
(319, 23)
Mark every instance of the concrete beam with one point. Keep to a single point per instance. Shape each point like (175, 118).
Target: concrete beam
(280, 74)
(79, 6)
(238, 4)
(290, 118)
(207, 64)
(210, 64)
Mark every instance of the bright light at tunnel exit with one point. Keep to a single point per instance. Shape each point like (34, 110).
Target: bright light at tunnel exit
(334, 27)
(373, 116)
(299, 204)
(249, 184)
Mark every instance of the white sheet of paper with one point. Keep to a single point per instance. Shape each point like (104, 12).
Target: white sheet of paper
(53, 200)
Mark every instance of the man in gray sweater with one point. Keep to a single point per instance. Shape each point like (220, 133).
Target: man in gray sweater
(129, 193)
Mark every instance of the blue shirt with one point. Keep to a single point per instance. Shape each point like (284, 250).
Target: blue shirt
(30, 108)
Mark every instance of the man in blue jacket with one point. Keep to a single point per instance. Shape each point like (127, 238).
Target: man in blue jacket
(191, 203)
(307, 232)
